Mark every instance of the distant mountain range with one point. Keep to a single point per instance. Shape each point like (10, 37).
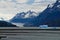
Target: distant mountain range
(50, 16)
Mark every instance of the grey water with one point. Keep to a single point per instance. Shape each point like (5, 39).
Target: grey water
(33, 36)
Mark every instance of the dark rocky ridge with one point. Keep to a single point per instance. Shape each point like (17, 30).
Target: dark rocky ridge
(6, 24)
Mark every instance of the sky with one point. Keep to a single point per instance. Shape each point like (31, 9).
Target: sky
(9, 8)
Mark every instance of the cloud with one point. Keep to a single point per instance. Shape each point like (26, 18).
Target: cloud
(30, 2)
(6, 16)
(9, 8)
(21, 1)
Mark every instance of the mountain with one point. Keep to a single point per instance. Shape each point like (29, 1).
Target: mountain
(50, 16)
(24, 17)
(6, 24)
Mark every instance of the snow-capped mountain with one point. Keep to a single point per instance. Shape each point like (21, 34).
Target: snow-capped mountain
(24, 17)
(50, 16)
(31, 14)
(28, 14)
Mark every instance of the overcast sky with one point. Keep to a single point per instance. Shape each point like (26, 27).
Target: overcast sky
(9, 8)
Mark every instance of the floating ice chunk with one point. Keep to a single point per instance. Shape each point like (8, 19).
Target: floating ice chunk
(43, 26)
